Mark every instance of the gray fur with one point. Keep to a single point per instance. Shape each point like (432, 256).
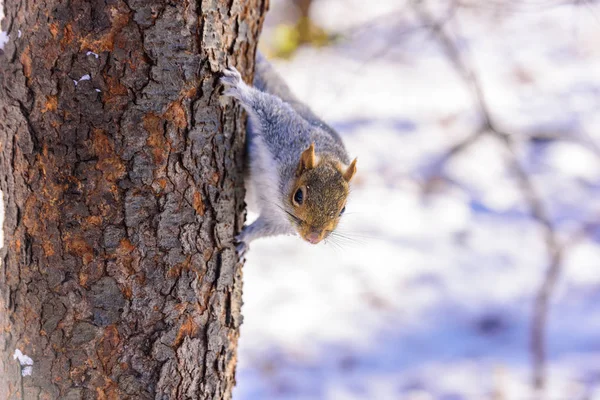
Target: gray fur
(280, 128)
(268, 81)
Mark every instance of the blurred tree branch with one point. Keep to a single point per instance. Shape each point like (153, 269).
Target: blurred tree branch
(555, 248)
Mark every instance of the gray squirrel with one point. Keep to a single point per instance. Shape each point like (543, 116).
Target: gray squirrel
(298, 169)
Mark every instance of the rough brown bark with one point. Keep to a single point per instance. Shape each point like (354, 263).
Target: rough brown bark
(123, 192)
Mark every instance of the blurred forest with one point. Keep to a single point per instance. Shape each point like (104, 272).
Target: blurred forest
(470, 267)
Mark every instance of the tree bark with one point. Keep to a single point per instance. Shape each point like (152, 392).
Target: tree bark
(121, 173)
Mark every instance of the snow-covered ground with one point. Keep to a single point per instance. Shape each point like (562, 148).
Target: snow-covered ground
(432, 297)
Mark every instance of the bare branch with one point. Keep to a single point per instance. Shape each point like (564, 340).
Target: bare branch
(531, 196)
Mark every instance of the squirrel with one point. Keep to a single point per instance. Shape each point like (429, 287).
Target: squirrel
(298, 171)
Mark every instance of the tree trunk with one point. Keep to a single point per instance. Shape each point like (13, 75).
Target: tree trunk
(121, 173)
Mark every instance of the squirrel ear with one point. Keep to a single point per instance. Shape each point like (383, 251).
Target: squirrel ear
(350, 171)
(308, 160)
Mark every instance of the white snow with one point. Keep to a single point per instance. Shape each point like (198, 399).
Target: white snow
(25, 361)
(3, 39)
(91, 53)
(431, 296)
(574, 161)
(85, 77)
(3, 35)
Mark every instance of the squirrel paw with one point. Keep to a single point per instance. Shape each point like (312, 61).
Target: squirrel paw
(231, 76)
(241, 247)
(232, 79)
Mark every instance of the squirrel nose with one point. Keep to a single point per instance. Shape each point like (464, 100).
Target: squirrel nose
(313, 237)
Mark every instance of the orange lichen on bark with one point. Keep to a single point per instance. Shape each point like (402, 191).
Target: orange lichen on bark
(115, 94)
(181, 307)
(95, 220)
(106, 42)
(175, 271)
(53, 29)
(67, 35)
(107, 348)
(176, 114)
(127, 291)
(188, 328)
(39, 210)
(114, 87)
(33, 224)
(190, 92)
(48, 248)
(162, 182)
(30, 220)
(198, 203)
(78, 246)
(125, 259)
(50, 189)
(109, 392)
(25, 59)
(78, 371)
(83, 279)
(156, 139)
(133, 64)
(125, 247)
(109, 162)
(51, 104)
(207, 254)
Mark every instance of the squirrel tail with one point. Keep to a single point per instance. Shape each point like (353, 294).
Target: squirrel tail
(267, 80)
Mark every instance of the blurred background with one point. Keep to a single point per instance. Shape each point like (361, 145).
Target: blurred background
(470, 263)
(471, 267)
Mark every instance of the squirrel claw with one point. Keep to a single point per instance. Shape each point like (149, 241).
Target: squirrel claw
(234, 85)
(241, 248)
(231, 77)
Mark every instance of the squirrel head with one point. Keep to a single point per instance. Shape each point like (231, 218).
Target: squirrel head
(318, 195)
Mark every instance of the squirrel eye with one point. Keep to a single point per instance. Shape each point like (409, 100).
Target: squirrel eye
(299, 197)
(343, 209)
